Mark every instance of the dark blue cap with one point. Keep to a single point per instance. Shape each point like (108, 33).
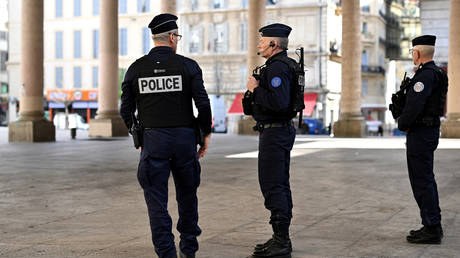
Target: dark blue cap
(429, 40)
(275, 30)
(162, 23)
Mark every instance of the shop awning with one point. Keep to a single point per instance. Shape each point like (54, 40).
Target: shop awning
(309, 100)
(237, 106)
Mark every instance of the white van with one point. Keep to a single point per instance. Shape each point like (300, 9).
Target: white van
(219, 114)
(75, 121)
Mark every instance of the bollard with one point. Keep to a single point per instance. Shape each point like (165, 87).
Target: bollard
(73, 133)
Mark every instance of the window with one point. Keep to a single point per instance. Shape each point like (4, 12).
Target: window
(364, 87)
(3, 59)
(95, 77)
(95, 43)
(196, 40)
(123, 42)
(145, 40)
(95, 7)
(218, 4)
(58, 8)
(58, 39)
(221, 37)
(143, 6)
(244, 36)
(76, 8)
(3, 35)
(245, 3)
(122, 6)
(194, 5)
(364, 31)
(364, 58)
(59, 77)
(77, 77)
(243, 76)
(77, 44)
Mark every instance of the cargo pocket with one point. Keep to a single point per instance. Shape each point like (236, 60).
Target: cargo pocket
(197, 170)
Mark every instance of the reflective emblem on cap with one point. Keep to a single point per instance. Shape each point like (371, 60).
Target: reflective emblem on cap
(160, 84)
(276, 82)
(418, 87)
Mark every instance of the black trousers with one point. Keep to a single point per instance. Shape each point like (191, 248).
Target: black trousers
(169, 150)
(421, 144)
(275, 145)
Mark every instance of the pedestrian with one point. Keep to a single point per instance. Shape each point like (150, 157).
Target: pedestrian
(161, 86)
(271, 109)
(420, 119)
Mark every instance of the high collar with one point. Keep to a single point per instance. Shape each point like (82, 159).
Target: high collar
(282, 53)
(161, 50)
(420, 66)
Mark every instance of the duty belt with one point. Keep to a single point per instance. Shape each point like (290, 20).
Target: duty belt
(261, 126)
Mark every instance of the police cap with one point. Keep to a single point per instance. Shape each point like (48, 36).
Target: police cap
(162, 23)
(275, 30)
(429, 40)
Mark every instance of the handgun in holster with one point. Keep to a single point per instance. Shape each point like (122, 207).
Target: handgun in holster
(198, 132)
(137, 132)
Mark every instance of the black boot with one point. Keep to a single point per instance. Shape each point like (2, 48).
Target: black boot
(279, 246)
(426, 235)
(415, 232)
(182, 255)
(269, 242)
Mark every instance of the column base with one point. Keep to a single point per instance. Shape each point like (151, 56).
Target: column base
(350, 126)
(450, 128)
(107, 127)
(245, 126)
(38, 130)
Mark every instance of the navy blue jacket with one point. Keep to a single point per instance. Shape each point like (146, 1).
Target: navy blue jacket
(192, 70)
(274, 91)
(419, 91)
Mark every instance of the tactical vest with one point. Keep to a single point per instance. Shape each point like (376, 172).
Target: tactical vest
(163, 93)
(297, 85)
(435, 103)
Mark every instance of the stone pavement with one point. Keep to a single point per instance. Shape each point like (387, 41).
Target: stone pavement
(81, 198)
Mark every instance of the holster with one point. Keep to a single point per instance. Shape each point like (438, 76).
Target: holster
(199, 136)
(247, 102)
(138, 136)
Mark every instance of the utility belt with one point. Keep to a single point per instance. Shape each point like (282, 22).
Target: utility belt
(427, 122)
(260, 126)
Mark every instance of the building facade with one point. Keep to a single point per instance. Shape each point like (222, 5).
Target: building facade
(3, 59)
(217, 38)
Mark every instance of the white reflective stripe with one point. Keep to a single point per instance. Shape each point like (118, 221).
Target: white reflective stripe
(160, 84)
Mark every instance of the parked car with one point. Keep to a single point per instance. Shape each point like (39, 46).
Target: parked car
(74, 120)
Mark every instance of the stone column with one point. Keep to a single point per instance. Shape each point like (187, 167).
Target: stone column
(108, 122)
(31, 125)
(450, 128)
(256, 19)
(169, 6)
(351, 122)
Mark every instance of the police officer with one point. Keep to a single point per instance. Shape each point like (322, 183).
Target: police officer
(161, 86)
(420, 119)
(271, 110)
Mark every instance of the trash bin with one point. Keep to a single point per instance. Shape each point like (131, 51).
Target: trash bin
(73, 132)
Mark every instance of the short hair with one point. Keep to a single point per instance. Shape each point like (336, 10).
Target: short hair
(164, 36)
(426, 51)
(282, 42)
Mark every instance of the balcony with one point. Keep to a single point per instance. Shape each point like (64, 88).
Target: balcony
(372, 69)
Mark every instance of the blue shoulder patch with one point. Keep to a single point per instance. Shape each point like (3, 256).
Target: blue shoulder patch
(276, 82)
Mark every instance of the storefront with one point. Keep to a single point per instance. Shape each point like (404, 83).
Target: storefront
(82, 102)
